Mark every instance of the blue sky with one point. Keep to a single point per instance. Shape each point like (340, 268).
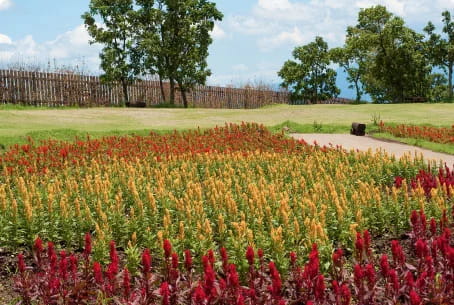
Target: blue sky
(252, 42)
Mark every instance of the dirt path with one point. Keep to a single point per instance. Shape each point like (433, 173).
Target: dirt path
(365, 143)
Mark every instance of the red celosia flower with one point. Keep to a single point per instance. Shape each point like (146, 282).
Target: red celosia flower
(398, 181)
(394, 280)
(240, 300)
(423, 221)
(409, 279)
(63, 265)
(174, 260)
(384, 265)
(319, 289)
(414, 219)
(398, 253)
(188, 259)
(87, 247)
(97, 272)
(199, 295)
(113, 252)
(421, 248)
(293, 258)
(260, 253)
(336, 287)
(165, 293)
(38, 246)
(146, 261)
(337, 257)
(369, 272)
(367, 241)
(167, 248)
(433, 226)
(50, 249)
(250, 255)
(211, 257)
(346, 294)
(415, 299)
(359, 246)
(358, 275)
(224, 259)
(73, 265)
(233, 279)
(21, 263)
(126, 283)
(209, 278)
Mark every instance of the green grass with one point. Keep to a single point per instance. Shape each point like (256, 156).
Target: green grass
(18, 122)
(438, 147)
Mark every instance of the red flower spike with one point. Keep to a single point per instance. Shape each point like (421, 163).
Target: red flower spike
(233, 279)
(337, 257)
(73, 265)
(293, 258)
(97, 272)
(260, 253)
(174, 260)
(211, 257)
(250, 255)
(167, 248)
(415, 299)
(146, 261)
(199, 295)
(165, 293)
(21, 263)
(187, 259)
(87, 247)
(319, 290)
(433, 226)
(113, 252)
(38, 245)
(126, 283)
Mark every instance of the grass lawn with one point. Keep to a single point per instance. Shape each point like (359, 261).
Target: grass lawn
(16, 123)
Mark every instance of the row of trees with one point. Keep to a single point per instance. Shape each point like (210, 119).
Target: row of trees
(382, 57)
(168, 38)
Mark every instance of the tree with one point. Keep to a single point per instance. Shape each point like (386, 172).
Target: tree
(351, 59)
(441, 50)
(176, 37)
(116, 33)
(310, 79)
(394, 67)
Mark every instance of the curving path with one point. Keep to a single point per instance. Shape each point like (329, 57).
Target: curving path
(365, 143)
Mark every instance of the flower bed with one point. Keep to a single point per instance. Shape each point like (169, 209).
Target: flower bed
(433, 134)
(425, 275)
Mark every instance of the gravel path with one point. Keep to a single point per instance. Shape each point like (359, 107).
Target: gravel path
(365, 143)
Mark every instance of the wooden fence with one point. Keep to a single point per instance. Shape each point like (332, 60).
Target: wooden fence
(55, 89)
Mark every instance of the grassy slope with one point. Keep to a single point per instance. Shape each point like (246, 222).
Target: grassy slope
(16, 123)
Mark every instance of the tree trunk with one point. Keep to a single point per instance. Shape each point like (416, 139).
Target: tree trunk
(161, 85)
(124, 84)
(172, 91)
(183, 95)
(358, 91)
(450, 68)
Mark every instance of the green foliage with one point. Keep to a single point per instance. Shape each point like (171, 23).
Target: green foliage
(393, 67)
(441, 50)
(174, 40)
(310, 79)
(116, 35)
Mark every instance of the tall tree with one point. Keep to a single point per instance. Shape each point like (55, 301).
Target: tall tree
(351, 58)
(115, 31)
(441, 50)
(395, 67)
(310, 78)
(175, 39)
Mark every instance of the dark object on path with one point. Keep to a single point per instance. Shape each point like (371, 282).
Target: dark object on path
(358, 129)
(137, 105)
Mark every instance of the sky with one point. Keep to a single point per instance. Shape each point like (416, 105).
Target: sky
(250, 45)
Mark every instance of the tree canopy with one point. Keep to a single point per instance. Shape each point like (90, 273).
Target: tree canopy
(309, 77)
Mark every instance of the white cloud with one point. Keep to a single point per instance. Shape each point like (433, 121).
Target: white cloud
(69, 48)
(284, 23)
(5, 4)
(5, 39)
(218, 32)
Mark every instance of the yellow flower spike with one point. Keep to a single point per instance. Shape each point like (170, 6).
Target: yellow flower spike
(221, 224)
(181, 234)
(134, 238)
(167, 219)
(28, 211)
(160, 236)
(77, 207)
(353, 230)
(207, 227)
(296, 227)
(132, 213)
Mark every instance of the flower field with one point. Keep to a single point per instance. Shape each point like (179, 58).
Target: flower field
(230, 188)
(433, 134)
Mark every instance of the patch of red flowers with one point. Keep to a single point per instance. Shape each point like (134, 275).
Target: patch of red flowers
(427, 180)
(50, 155)
(425, 275)
(433, 134)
